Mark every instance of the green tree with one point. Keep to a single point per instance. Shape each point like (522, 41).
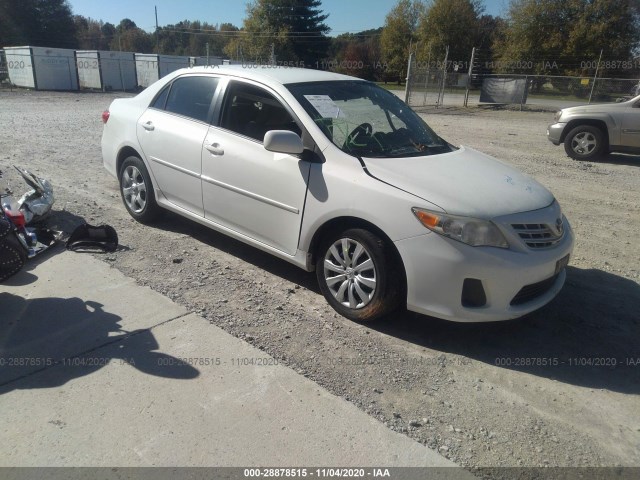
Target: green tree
(108, 30)
(129, 38)
(90, 34)
(194, 37)
(126, 24)
(57, 28)
(544, 33)
(449, 23)
(357, 54)
(294, 30)
(223, 34)
(18, 23)
(399, 35)
(47, 23)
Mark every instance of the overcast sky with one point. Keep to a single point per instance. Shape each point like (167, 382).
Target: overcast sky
(344, 15)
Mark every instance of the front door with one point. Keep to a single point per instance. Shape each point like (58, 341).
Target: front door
(246, 188)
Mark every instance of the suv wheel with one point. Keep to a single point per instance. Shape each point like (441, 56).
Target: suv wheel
(585, 142)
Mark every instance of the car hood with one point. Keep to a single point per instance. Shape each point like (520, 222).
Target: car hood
(598, 108)
(463, 182)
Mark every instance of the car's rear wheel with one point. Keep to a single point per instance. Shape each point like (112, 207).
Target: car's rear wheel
(136, 190)
(585, 142)
(357, 274)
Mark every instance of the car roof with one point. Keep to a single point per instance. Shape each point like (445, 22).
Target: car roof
(271, 74)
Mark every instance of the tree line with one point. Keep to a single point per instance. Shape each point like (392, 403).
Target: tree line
(534, 36)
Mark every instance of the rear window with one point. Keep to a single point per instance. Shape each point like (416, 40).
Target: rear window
(191, 97)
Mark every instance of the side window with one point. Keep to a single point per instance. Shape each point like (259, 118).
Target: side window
(161, 99)
(252, 111)
(191, 97)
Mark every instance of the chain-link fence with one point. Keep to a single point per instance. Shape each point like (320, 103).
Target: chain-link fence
(431, 81)
(554, 91)
(448, 83)
(430, 87)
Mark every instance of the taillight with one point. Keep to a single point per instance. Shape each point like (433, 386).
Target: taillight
(105, 116)
(16, 217)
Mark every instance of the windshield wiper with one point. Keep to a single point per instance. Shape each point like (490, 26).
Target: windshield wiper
(421, 147)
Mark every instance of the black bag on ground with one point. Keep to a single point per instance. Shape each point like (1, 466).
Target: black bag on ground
(13, 254)
(87, 238)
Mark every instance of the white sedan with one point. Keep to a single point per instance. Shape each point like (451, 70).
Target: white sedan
(337, 175)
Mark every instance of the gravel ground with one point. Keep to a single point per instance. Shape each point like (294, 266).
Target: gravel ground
(530, 392)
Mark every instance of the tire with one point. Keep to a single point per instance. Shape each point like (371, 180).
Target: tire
(136, 191)
(362, 284)
(13, 254)
(585, 142)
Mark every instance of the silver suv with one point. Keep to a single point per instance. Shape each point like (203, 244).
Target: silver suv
(590, 131)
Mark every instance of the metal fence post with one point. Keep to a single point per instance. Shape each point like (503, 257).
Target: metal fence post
(426, 81)
(444, 79)
(407, 89)
(524, 91)
(595, 77)
(466, 93)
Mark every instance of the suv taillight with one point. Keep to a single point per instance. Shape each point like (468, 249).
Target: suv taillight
(105, 116)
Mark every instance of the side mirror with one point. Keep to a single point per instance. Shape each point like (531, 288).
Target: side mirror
(283, 141)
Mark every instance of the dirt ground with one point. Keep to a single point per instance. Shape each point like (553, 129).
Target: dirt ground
(556, 388)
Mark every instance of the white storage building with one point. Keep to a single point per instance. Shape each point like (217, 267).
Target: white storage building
(42, 68)
(151, 67)
(106, 70)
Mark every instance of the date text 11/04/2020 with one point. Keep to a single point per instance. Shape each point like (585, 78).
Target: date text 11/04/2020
(316, 472)
(610, 362)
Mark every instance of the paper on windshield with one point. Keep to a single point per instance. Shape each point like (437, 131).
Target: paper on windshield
(325, 106)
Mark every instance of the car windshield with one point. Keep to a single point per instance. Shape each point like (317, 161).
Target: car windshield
(365, 120)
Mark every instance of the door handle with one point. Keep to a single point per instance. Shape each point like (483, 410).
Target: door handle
(215, 149)
(148, 126)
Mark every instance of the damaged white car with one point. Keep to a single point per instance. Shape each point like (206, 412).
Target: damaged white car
(337, 175)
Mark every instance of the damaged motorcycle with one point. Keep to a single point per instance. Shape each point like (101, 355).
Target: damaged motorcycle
(19, 240)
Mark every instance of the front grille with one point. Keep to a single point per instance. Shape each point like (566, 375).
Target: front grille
(537, 235)
(533, 291)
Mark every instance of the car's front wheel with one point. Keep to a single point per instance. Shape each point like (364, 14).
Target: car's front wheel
(358, 274)
(585, 142)
(136, 190)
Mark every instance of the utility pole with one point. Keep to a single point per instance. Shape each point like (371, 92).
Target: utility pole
(207, 54)
(157, 36)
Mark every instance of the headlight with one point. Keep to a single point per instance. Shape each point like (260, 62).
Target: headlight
(472, 231)
(557, 116)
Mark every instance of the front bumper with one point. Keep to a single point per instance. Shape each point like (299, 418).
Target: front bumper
(437, 267)
(554, 132)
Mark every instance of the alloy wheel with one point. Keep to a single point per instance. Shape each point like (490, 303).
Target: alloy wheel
(134, 190)
(350, 273)
(584, 143)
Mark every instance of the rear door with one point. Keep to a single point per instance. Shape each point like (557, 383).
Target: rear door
(630, 132)
(171, 132)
